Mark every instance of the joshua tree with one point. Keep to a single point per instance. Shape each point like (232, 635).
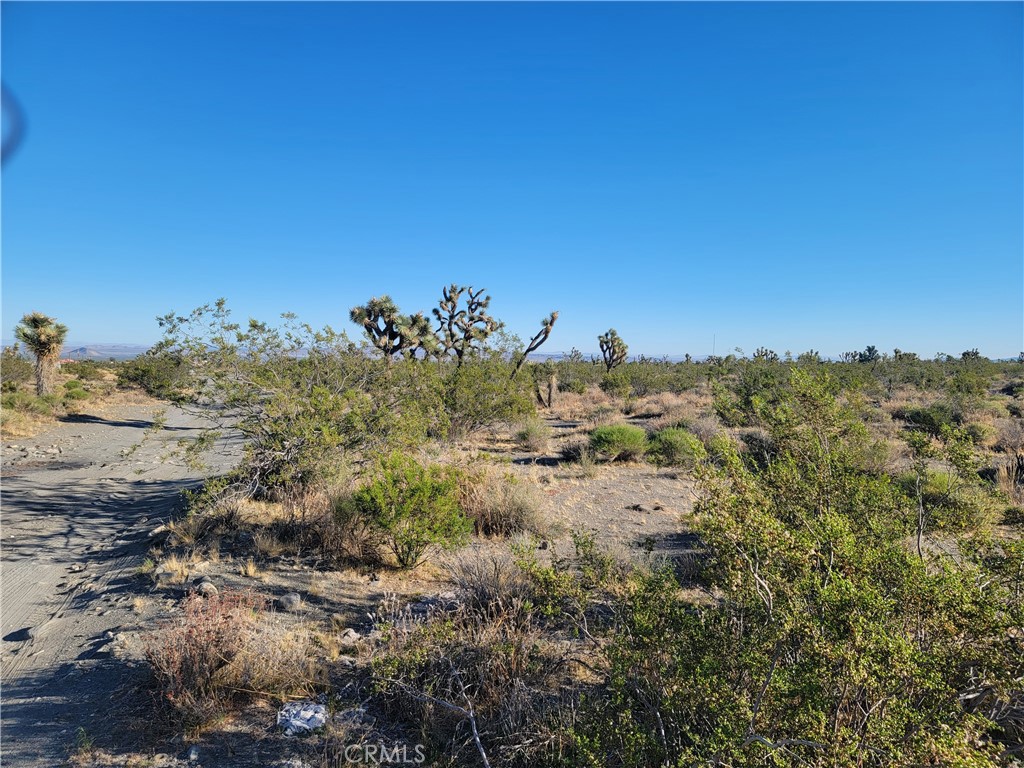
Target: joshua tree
(44, 337)
(542, 335)
(392, 332)
(613, 349)
(459, 329)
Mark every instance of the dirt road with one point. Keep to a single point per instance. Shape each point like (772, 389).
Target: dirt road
(78, 504)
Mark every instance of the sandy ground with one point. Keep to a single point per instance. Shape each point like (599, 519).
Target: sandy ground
(78, 503)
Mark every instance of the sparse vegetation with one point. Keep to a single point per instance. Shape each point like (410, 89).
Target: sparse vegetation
(850, 590)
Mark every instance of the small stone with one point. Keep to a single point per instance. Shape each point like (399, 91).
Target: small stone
(193, 754)
(349, 639)
(158, 530)
(289, 603)
(206, 589)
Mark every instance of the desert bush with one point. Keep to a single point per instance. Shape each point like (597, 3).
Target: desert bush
(481, 392)
(47, 405)
(1010, 437)
(160, 373)
(533, 435)
(276, 660)
(86, 370)
(931, 418)
(616, 383)
(15, 369)
(413, 508)
(498, 502)
(189, 655)
(677, 448)
(619, 441)
(823, 614)
(73, 390)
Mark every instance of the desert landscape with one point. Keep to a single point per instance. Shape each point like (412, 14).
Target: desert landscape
(483, 558)
(512, 384)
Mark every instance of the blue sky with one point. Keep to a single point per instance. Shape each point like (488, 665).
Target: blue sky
(796, 176)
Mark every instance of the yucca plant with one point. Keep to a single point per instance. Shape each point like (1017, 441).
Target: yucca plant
(44, 338)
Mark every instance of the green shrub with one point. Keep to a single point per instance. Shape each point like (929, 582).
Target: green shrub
(619, 441)
(85, 370)
(15, 369)
(677, 448)
(616, 384)
(482, 392)
(413, 507)
(72, 384)
(931, 418)
(47, 405)
(160, 374)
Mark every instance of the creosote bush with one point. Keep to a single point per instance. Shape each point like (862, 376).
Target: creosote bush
(412, 507)
(619, 442)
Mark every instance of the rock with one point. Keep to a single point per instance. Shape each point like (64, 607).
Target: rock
(206, 589)
(289, 603)
(302, 716)
(193, 754)
(157, 531)
(349, 639)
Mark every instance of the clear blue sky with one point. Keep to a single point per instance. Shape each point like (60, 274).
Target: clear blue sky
(797, 176)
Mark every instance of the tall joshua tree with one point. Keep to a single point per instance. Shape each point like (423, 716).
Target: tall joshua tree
(613, 349)
(459, 329)
(44, 337)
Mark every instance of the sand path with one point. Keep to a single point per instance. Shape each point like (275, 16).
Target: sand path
(76, 508)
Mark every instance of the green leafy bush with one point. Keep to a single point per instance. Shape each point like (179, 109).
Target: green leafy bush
(931, 418)
(412, 507)
(616, 383)
(15, 369)
(482, 392)
(677, 448)
(160, 374)
(619, 441)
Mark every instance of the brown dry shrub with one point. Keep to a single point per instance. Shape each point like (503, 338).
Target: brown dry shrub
(489, 657)
(498, 503)
(190, 653)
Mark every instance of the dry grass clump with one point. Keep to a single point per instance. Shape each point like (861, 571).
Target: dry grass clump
(579, 453)
(569, 406)
(498, 503)
(277, 662)
(533, 435)
(221, 651)
(706, 428)
(485, 665)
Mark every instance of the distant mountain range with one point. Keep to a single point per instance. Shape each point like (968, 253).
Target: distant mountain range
(97, 351)
(104, 351)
